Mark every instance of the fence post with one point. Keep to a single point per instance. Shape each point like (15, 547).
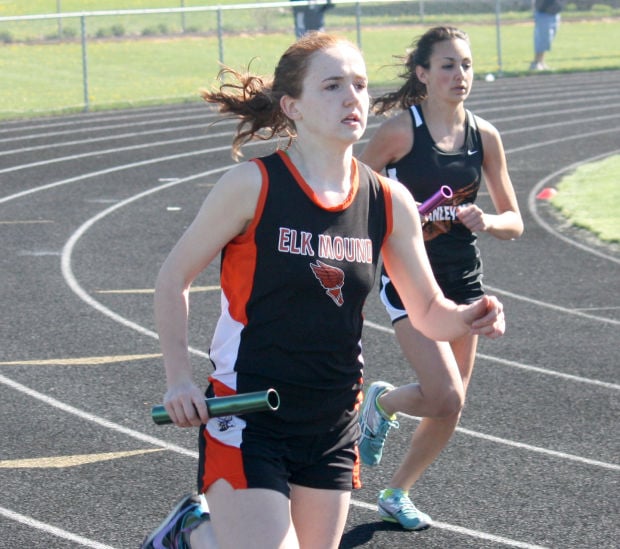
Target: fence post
(358, 24)
(220, 35)
(84, 62)
(498, 28)
(58, 10)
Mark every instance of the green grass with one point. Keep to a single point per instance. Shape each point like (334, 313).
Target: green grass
(42, 78)
(590, 198)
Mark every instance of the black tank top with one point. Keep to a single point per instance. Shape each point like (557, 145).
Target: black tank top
(294, 286)
(450, 245)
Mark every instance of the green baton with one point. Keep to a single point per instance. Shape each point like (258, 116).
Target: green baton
(260, 401)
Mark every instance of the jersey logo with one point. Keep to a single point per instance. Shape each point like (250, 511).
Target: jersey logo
(224, 423)
(331, 278)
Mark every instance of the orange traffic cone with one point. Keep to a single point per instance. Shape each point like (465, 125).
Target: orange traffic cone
(547, 193)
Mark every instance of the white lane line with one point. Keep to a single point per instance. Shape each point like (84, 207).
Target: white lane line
(223, 134)
(65, 261)
(116, 137)
(553, 306)
(79, 120)
(37, 253)
(33, 523)
(117, 150)
(519, 365)
(538, 449)
(29, 521)
(548, 372)
(174, 448)
(113, 169)
(50, 401)
(225, 122)
(92, 129)
(574, 137)
(460, 530)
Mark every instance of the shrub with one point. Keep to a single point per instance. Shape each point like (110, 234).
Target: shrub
(117, 30)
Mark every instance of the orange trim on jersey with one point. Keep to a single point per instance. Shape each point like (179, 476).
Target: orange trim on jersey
(357, 470)
(357, 464)
(310, 192)
(239, 264)
(222, 462)
(220, 389)
(389, 212)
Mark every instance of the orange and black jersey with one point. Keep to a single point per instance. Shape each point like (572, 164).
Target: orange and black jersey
(293, 290)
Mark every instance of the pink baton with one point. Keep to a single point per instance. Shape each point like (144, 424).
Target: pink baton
(440, 197)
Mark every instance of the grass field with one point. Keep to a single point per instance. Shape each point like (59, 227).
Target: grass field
(590, 198)
(41, 78)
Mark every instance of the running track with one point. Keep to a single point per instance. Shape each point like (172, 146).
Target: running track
(91, 204)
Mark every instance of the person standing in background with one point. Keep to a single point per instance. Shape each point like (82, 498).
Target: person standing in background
(311, 17)
(546, 24)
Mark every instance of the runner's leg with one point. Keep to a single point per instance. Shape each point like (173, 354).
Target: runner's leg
(319, 516)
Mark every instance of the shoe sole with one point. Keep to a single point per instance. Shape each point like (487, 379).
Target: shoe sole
(164, 523)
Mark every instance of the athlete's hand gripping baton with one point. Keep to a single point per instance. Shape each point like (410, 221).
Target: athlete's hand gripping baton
(260, 401)
(440, 197)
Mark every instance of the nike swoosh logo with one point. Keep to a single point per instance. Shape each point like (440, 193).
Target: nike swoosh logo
(470, 153)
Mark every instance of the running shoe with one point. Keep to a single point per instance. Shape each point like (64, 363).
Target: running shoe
(395, 506)
(187, 515)
(374, 424)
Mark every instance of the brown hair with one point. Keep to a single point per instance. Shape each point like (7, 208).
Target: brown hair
(413, 92)
(255, 100)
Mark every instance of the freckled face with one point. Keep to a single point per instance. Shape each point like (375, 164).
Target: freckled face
(334, 102)
(451, 71)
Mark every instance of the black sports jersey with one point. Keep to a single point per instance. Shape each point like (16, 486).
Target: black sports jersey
(450, 245)
(293, 289)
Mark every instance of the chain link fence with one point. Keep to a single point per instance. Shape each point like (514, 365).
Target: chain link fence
(60, 61)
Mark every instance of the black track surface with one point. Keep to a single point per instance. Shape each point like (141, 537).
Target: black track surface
(91, 204)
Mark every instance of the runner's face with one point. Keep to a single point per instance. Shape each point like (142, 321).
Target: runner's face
(451, 71)
(334, 102)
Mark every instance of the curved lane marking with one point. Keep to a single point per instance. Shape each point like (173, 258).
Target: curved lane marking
(553, 306)
(33, 523)
(542, 223)
(519, 365)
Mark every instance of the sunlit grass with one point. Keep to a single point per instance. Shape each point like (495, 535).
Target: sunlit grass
(47, 77)
(590, 198)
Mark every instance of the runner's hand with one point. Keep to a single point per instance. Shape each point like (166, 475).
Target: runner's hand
(486, 317)
(185, 404)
